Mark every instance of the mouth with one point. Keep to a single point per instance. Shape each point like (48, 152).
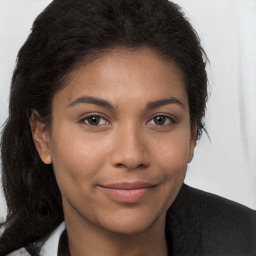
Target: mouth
(129, 192)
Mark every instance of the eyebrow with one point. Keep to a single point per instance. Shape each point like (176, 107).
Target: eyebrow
(162, 102)
(92, 100)
(103, 103)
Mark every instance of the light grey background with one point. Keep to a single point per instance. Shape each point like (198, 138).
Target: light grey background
(226, 165)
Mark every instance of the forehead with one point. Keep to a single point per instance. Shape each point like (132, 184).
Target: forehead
(125, 75)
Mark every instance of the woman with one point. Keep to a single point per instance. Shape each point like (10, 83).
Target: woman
(107, 102)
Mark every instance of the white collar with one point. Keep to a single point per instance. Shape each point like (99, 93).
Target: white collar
(50, 247)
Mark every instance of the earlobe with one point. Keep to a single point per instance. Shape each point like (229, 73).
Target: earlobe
(192, 143)
(41, 137)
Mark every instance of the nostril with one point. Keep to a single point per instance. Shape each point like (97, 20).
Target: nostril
(130, 166)
(142, 166)
(120, 165)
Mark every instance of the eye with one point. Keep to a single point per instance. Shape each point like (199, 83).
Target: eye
(94, 120)
(161, 120)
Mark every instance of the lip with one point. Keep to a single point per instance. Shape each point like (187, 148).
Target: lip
(129, 192)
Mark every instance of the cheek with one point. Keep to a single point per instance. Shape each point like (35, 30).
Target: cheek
(77, 160)
(169, 159)
(171, 153)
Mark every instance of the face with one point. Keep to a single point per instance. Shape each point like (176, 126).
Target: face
(120, 140)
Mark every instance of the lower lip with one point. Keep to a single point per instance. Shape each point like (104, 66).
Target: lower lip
(127, 195)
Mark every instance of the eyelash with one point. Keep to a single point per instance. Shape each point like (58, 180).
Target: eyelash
(84, 120)
(171, 120)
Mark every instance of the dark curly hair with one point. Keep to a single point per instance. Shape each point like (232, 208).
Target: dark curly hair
(62, 36)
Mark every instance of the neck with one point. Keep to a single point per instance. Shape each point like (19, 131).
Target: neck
(88, 239)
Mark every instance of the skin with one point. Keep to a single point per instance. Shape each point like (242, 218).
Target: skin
(122, 142)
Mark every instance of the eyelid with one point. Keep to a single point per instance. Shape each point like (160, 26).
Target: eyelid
(171, 117)
(95, 114)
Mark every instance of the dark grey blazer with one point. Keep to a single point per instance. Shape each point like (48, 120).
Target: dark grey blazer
(200, 223)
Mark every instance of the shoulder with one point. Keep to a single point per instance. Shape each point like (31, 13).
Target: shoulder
(207, 205)
(211, 225)
(47, 246)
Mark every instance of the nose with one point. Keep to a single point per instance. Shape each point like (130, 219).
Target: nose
(129, 149)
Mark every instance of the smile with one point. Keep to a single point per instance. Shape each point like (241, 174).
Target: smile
(128, 192)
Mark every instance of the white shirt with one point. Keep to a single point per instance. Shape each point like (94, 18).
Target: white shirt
(49, 248)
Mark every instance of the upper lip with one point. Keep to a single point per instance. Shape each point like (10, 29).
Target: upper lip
(129, 185)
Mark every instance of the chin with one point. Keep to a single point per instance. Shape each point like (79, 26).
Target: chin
(132, 223)
(131, 229)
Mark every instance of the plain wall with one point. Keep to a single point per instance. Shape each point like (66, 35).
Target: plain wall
(225, 164)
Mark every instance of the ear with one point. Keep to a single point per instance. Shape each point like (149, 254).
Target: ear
(41, 137)
(192, 143)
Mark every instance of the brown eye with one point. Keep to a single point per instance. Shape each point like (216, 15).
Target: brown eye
(159, 120)
(94, 120)
(162, 120)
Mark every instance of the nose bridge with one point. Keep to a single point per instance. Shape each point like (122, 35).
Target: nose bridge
(129, 149)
